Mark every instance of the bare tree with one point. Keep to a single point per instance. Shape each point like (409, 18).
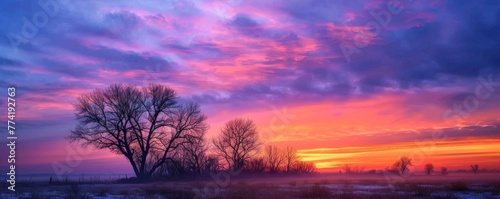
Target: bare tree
(353, 169)
(347, 168)
(145, 125)
(194, 153)
(290, 158)
(304, 167)
(402, 165)
(237, 141)
(175, 165)
(190, 157)
(211, 163)
(429, 168)
(444, 171)
(474, 168)
(275, 158)
(257, 165)
(194, 148)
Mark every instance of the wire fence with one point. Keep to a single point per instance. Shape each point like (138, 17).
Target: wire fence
(81, 179)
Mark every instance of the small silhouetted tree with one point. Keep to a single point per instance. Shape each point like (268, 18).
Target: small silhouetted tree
(275, 158)
(237, 141)
(257, 165)
(402, 165)
(211, 164)
(146, 125)
(290, 158)
(353, 169)
(304, 167)
(194, 151)
(444, 171)
(347, 168)
(174, 166)
(429, 168)
(474, 168)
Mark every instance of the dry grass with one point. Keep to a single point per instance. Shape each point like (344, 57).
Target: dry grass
(458, 186)
(421, 190)
(243, 193)
(315, 191)
(166, 192)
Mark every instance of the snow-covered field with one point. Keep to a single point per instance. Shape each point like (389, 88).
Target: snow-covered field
(464, 185)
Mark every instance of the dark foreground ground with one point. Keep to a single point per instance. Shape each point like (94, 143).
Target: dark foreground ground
(454, 185)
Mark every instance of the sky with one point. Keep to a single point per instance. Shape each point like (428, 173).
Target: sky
(344, 82)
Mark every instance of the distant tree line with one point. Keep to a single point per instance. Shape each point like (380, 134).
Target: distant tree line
(160, 135)
(402, 167)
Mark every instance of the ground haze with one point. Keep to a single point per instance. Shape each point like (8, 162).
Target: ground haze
(319, 185)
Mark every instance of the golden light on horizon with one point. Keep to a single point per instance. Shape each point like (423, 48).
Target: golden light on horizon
(454, 154)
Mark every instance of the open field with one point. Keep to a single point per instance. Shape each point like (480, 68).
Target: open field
(454, 185)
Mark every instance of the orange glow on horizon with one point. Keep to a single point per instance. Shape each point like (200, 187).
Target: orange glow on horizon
(453, 154)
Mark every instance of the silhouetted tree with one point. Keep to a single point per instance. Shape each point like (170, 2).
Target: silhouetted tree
(444, 171)
(211, 163)
(144, 124)
(275, 158)
(353, 169)
(474, 168)
(402, 165)
(194, 150)
(347, 168)
(174, 166)
(237, 141)
(304, 167)
(257, 165)
(429, 168)
(290, 158)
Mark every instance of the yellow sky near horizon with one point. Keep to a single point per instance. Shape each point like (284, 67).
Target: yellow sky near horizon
(453, 154)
